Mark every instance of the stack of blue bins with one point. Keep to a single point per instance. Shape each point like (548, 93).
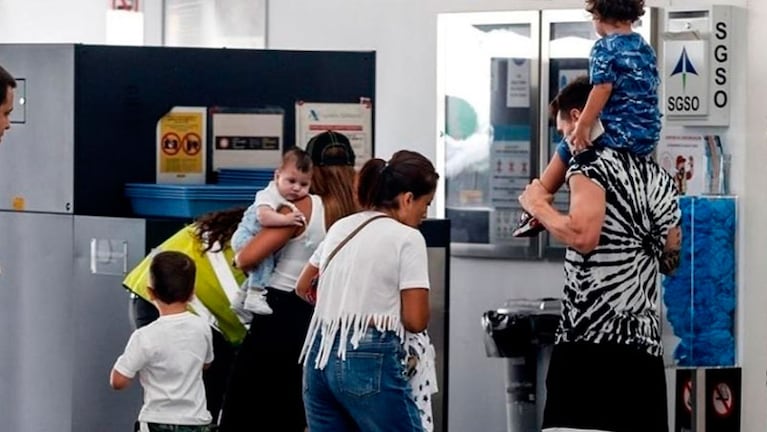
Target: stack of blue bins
(258, 177)
(235, 187)
(186, 201)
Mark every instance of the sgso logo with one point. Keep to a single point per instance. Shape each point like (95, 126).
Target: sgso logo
(684, 67)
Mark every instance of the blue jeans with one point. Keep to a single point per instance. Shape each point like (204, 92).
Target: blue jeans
(368, 391)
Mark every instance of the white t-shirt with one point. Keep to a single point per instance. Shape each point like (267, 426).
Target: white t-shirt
(169, 355)
(270, 196)
(363, 281)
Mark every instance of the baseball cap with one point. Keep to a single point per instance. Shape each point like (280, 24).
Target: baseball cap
(320, 146)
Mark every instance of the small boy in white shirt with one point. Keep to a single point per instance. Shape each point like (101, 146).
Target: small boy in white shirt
(169, 354)
(291, 183)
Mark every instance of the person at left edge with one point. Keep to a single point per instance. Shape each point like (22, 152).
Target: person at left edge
(7, 85)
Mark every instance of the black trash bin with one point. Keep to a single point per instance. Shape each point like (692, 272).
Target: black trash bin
(522, 332)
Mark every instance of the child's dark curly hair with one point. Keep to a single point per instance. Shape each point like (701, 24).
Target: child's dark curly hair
(616, 10)
(218, 227)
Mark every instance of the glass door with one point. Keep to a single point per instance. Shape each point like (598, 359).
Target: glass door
(488, 69)
(566, 40)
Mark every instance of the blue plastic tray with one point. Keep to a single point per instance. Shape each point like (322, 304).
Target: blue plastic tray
(186, 201)
(179, 207)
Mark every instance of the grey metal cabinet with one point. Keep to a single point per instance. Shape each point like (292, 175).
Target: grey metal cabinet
(35, 315)
(104, 248)
(64, 319)
(43, 130)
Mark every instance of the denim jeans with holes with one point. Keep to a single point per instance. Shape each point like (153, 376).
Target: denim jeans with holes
(368, 391)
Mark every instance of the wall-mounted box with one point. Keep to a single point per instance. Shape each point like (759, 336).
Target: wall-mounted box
(697, 50)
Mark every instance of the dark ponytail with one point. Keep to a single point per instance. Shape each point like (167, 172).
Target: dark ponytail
(381, 182)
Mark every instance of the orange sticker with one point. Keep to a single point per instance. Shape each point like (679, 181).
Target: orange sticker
(19, 203)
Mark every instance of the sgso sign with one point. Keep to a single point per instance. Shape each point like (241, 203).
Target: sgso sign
(687, 82)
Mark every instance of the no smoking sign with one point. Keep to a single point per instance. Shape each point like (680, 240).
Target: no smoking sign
(708, 399)
(687, 395)
(722, 399)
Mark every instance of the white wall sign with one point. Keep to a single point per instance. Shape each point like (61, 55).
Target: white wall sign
(687, 82)
(124, 27)
(355, 120)
(246, 139)
(518, 83)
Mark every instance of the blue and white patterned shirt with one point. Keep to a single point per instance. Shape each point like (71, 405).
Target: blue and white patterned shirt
(631, 116)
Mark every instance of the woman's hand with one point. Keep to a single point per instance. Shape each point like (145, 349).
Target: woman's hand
(304, 286)
(270, 239)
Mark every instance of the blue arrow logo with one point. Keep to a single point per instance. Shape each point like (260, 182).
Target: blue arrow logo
(684, 66)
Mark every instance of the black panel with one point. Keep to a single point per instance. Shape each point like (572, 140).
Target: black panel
(159, 229)
(436, 232)
(469, 225)
(121, 92)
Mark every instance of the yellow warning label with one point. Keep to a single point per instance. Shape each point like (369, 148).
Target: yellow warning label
(180, 143)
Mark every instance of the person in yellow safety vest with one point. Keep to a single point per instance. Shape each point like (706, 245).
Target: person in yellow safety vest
(216, 275)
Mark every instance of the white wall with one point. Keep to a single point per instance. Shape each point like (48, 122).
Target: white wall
(74, 21)
(753, 207)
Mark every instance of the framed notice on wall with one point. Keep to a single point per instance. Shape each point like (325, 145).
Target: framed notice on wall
(355, 120)
(246, 138)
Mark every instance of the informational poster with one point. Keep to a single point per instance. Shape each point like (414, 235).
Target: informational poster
(247, 138)
(566, 76)
(683, 155)
(355, 120)
(518, 83)
(510, 174)
(181, 145)
(510, 168)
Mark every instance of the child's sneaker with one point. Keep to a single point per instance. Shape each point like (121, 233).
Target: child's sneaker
(528, 226)
(256, 302)
(238, 307)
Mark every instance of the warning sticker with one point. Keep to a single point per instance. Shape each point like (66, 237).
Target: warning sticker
(192, 143)
(171, 143)
(181, 146)
(687, 395)
(722, 399)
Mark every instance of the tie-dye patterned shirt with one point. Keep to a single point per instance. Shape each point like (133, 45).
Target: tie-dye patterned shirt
(611, 293)
(631, 116)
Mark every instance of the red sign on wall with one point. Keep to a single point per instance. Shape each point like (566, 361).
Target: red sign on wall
(125, 5)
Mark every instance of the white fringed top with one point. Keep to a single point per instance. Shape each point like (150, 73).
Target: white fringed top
(361, 285)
